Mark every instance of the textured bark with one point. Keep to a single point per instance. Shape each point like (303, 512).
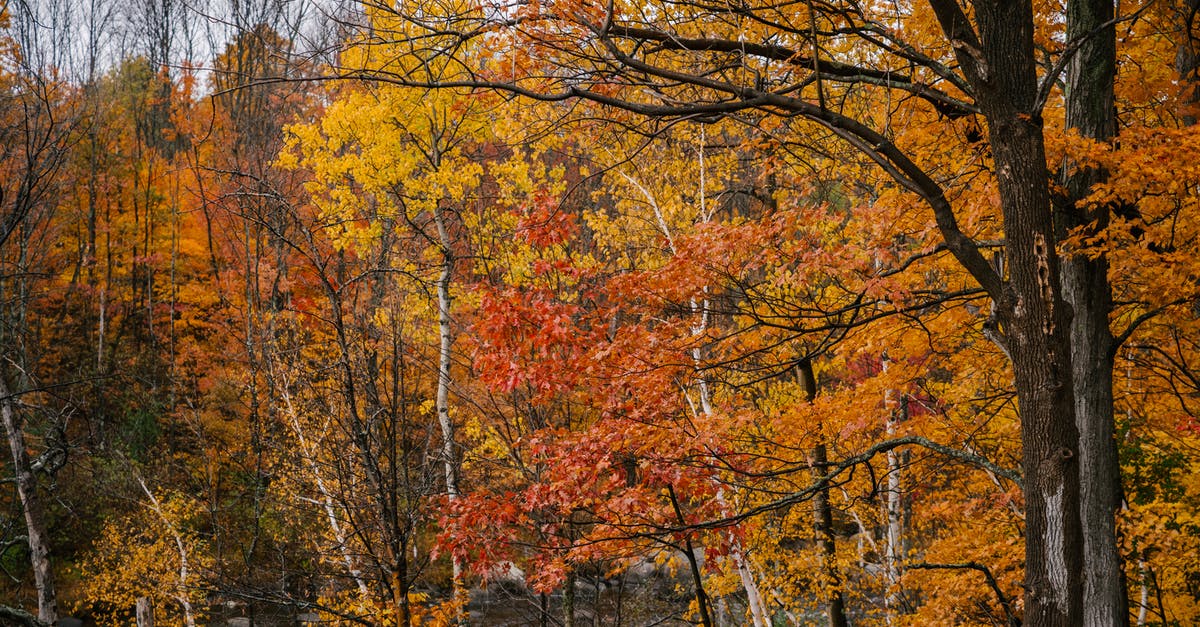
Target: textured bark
(999, 62)
(31, 504)
(144, 612)
(1089, 110)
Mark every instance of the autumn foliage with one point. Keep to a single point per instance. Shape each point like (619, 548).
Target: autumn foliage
(562, 312)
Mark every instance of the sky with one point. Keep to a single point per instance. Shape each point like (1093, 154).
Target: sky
(83, 39)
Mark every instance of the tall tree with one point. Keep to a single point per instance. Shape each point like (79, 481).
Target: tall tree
(1091, 112)
(35, 131)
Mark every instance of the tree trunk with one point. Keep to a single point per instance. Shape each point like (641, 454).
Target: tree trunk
(702, 604)
(327, 502)
(446, 340)
(894, 551)
(1001, 68)
(1143, 589)
(1038, 331)
(400, 592)
(569, 601)
(189, 616)
(835, 605)
(144, 612)
(1187, 59)
(31, 504)
(17, 617)
(1089, 110)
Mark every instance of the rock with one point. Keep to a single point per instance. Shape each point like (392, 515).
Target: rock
(506, 574)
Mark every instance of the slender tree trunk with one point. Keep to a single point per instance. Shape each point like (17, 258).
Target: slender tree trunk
(1187, 59)
(702, 599)
(835, 604)
(1089, 110)
(400, 592)
(893, 505)
(308, 454)
(31, 504)
(1143, 589)
(189, 616)
(758, 608)
(446, 340)
(569, 600)
(700, 310)
(894, 552)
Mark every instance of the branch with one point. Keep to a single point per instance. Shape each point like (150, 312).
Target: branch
(1120, 338)
(944, 103)
(17, 616)
(964, 40)
(739, 98)
(1010, 616)
(823, 482)
(1069, 51)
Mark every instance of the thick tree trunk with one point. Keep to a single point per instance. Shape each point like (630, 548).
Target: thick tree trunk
(1035, 319)
(1089, 110)
(31, 504)
(1037, 335)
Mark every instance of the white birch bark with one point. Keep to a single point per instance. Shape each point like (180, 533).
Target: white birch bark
(189, 616)
(893, 508)
(1144, 591)
(307, 452)
(442, 402)
(31, 504)
(700, 309)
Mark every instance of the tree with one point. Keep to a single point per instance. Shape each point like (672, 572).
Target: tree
(802, 64)
(1090, 111)
(395, 218)
(35, 130)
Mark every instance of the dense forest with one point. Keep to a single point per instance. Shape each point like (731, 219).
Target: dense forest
(563, 312)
